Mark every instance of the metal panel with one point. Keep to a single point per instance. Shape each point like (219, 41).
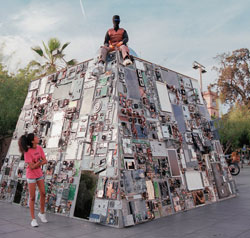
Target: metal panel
(71, 150)
(14, 149)
(222, 186)
(62, 92)
(77, 89)
(132, 84)
(28, 99)
(171, 78)
(163, 97)
(100, 207)
(203, 110)
(34, 85)
(173, 161)
(43, 86)
(57, 124)
(53, 142)
(194, 180)
(82, 127)
(178, 113)
(158, 148)
(87, 101)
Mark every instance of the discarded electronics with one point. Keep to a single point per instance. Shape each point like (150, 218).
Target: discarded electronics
(124, 147)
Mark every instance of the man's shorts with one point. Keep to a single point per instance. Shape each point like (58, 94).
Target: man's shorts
(34, 180)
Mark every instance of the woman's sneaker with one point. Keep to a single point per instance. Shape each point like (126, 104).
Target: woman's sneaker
(34, 223)
(42, 217)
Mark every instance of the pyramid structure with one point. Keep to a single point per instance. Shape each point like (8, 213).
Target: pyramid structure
(126, 146)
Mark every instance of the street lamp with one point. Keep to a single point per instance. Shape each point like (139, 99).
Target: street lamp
(199, 66)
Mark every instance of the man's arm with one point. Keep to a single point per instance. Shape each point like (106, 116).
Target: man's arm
(125, 37)
(106, 40)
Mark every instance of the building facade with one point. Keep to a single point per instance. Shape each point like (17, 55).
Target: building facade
(212, 103)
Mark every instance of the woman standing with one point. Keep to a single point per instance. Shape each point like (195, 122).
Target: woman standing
(35, 158)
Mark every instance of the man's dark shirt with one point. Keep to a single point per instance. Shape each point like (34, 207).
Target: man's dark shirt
(124, 38)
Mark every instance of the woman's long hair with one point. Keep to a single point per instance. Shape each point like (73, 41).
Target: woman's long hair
(25, 142)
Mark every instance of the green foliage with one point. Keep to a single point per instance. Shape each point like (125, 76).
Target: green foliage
(13, 90)
(235, 128)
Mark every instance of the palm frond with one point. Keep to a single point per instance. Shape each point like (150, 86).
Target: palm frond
(72, 62)
(38, 50)
(53, 44)
(34, 63)
(65, 45)
(47, 50)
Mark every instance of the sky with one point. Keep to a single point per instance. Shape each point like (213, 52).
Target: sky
(171, 33)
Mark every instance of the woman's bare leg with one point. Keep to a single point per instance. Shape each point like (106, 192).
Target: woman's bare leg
(32, 191)
(41, 187)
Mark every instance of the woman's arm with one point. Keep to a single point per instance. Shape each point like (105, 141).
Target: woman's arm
(43, 161)
(39, 163)
(33, 165)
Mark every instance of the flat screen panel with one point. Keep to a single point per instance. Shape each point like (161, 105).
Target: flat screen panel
(163, 96)
(34, 84)
(150, 190)
(43, 86)
(53, 142)
(194, 180)
(57, 124)
(132, 84)
(71, 150)
(178, 113)
(62, 92)
(173, 162)
(158, 148)
(171, 78)
(203, 110)
(28, 99)
(14, 149)
(87, 101)
(77, 89)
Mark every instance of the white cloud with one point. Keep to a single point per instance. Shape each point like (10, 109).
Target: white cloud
(82, 48)
(36, 18)
(16, 51)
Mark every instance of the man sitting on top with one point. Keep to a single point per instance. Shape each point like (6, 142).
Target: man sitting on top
(116, 38)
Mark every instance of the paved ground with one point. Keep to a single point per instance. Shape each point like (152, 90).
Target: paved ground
(227, 219)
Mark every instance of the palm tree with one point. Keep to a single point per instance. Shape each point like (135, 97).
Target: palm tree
(53, 57)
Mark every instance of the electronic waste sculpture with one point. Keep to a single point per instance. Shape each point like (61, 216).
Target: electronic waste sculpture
(129, 145)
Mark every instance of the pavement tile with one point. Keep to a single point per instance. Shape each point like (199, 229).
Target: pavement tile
(27, 233)
(10, 227)
(245, 234)
(3, 222)
(65, 232)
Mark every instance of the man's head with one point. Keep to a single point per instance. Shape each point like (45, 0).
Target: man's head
(116, 21)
